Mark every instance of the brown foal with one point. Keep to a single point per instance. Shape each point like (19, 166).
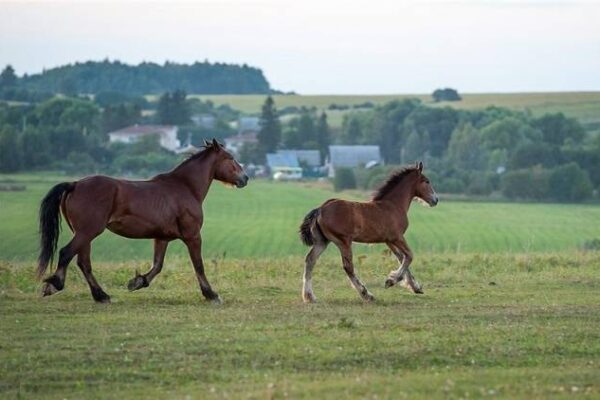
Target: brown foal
(382, 220)
(164, 208)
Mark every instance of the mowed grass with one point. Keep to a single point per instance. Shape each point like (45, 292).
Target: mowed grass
(262, 220)
(488, 326)
(584, 106)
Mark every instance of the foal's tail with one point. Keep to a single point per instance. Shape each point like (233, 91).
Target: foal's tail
(310, 232)
(50, 224)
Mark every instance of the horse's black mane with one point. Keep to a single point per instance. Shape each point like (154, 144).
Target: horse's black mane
(205, 151)
(394, 179)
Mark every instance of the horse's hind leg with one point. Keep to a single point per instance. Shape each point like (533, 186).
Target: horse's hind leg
(85, 264)
(56, 282)
(142, 281)
(311, 259)
(346, 251)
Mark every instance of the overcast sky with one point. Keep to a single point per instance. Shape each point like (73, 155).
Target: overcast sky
(323, 47)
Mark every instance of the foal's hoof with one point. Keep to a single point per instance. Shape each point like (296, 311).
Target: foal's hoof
(309, 298)
(216, 300)
(137, 282)
(48, 289)
(368, 297)
(103, 300)
(389, 283)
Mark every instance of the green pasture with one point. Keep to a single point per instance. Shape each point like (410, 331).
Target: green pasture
(488, 326)
(262, 221)
(584, 106)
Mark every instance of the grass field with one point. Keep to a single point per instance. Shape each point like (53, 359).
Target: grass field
(584, 106)
(497, 326)
(262, 221)
(510, 308)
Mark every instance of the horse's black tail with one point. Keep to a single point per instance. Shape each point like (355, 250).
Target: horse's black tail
(310, 232)
(50, 224)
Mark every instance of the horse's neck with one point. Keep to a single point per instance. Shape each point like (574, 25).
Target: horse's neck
(401, 196)
(197, 175)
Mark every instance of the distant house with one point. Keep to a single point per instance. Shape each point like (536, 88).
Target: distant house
(248, 125)
(167, 135)
(282, 159)
(207, 121)
(309, 158)
(352, 156)
(234, 143)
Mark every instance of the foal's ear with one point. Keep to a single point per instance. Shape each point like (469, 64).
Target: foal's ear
(206, 143)
(216, 144)
(420, 166)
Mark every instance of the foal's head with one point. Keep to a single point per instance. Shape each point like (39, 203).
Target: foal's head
(423, 188)
(227, 169)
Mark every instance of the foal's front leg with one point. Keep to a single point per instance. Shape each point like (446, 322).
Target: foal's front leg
(142, 281)
(194, 246)
(405, 257)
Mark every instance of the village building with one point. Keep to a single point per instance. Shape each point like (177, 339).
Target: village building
(167, 135)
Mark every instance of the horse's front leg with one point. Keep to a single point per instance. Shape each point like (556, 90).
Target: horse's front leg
(405, 257)
(194, 246)
(142, 281)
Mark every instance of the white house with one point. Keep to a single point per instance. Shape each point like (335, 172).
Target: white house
(234, 143)
(167, 135)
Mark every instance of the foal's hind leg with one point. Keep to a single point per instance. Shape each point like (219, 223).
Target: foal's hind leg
(56, 282)
(346, 251)
(85, 264)
(142, 281)
(311, 259)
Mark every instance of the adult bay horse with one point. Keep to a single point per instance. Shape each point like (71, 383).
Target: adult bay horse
(382, 220)
(164, 208)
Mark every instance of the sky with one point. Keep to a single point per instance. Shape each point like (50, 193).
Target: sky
(326, 47)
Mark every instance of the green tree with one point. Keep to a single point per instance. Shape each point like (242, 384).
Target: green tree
(8, 79)
(464, 150)
(323, 135)
(10, 153)
(173, 109)
(569, 183)
(269, 135)
(558, 129)
(352, 132)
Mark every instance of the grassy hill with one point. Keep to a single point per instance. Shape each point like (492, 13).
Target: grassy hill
(584, 106)
(262, 221)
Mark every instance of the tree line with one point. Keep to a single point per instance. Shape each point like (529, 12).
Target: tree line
(92, 77)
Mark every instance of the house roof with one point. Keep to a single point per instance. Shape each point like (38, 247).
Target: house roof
(353, 156)
(282, 160)
(139, 130)
(312, 158)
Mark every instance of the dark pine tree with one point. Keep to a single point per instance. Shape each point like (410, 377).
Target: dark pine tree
(269, 135)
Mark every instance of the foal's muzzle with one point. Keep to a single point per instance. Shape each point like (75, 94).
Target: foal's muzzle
(434, 201)
(243, 181)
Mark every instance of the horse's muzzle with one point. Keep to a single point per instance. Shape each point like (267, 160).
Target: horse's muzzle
(434, 201)
(243, 181)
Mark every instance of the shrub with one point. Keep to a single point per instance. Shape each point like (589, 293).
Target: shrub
(525, 184)
(344, 179)
(569, 183)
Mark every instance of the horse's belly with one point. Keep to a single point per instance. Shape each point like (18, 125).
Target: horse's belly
(138, 228)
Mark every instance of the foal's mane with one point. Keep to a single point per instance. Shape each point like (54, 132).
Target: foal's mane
(394, 179)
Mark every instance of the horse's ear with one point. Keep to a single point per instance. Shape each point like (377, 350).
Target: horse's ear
(420, 166)
(216, 144)
(206, 143)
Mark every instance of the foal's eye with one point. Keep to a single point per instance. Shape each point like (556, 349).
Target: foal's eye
(426, 180)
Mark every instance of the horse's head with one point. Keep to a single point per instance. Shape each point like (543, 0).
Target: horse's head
(227, 169)
(423, 189)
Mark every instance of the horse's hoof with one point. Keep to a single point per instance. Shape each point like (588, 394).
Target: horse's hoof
(103, 300)
(369, 297)
(217, 300)
(48, 289)
(138, 282)
(309, 298)
(389, 283)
